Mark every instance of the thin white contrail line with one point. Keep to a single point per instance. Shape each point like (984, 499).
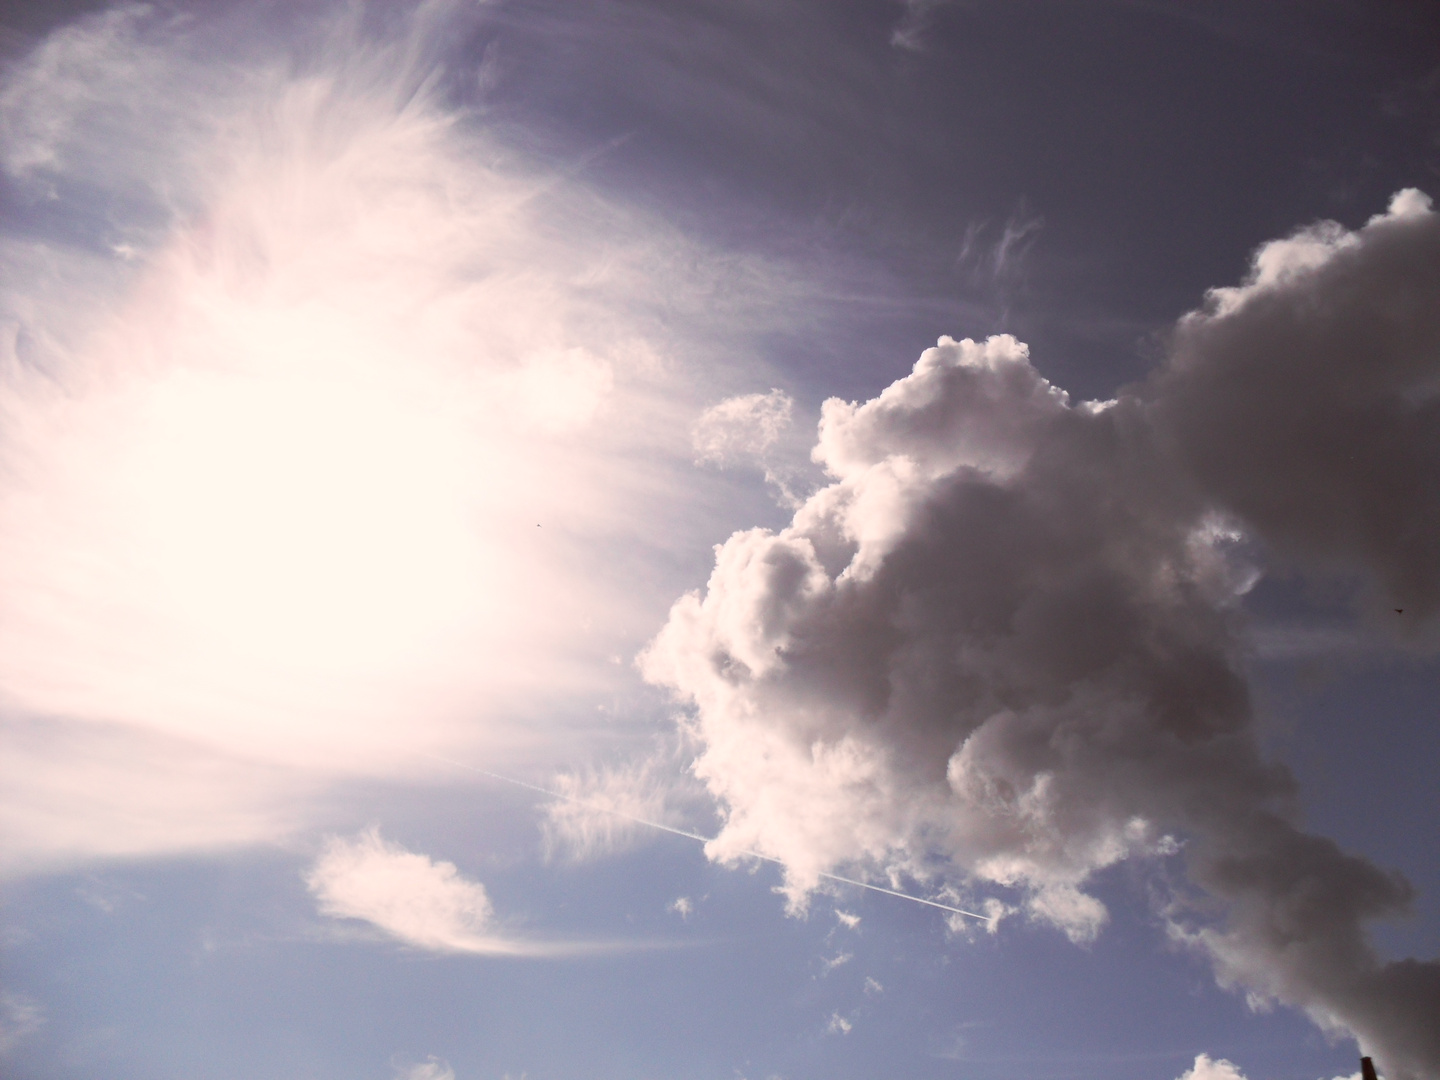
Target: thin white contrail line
(690, 835)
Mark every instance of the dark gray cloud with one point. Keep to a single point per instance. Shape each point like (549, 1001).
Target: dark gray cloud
(1009, 633)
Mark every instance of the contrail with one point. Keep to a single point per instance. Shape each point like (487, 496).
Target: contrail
(690, 835)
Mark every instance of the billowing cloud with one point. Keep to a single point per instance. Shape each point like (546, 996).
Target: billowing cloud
(322, 406)
(1007, 635)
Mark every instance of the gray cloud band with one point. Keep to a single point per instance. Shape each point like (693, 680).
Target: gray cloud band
(1007, 633)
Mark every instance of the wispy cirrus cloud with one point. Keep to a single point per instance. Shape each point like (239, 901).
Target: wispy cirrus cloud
(325, 409)
(20, 1017)
(432, 1068)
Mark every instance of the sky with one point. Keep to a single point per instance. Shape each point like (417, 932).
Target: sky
(719, 540)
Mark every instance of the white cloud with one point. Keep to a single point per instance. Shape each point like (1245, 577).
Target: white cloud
(20, 1016)
(279, 435)
(606, 809)
(423, 903)
(847, 919)
(753, 430)
(409, 896)
(873, 987)
(741, 429)
(838, 1025)
(683, 906)
(995, 911)
(838, 960)
(1207, 1069)
(1005, 634)
(910, 31)
(432, 1068)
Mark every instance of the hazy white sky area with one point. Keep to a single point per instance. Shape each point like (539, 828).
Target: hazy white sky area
(379, 448)
(487, 588)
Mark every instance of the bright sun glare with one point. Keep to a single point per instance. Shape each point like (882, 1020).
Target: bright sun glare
(323, 482)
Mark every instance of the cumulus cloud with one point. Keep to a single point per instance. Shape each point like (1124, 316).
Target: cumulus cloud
(1308, 401)
(1008, 633)
(310, 354)
(1205, 1068)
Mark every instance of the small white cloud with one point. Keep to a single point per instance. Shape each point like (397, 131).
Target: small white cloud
(838, 1025)
(1062, 905)
(873, 987)
(605, 810)
(19, 1017)
(105, 896)
(601, 812)
(432, 1068)
(848, 920)
(836, 961)
(421, 902)
(741, 429)
(1206, 1068)
(966, 927)
(909, 33)
(995, 910)
(1408, 202)
(683, 906)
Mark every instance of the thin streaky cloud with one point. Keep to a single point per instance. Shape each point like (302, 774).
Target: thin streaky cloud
(706, 840)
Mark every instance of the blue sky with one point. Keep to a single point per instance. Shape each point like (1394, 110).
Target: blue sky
(503, 506)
